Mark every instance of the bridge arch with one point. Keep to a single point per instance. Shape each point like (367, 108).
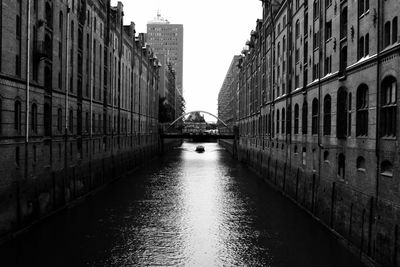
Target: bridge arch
(199, 111)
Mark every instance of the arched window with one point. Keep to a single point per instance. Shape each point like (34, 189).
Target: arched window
(297, 29)
(296, 119)
(34, 118)
(387, 34)
(315, 109)
(341, 166)
(304, 118)
(277, 121)
(17, 116)
(394, 30)
(361, 163)
(283, 120)
(341, 114)
(362, 111)
(388, 107)
(387, 168)
(59, 120)
(47, 119)
(327, 115)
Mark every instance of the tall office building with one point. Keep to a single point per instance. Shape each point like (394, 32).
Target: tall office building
(167, 39)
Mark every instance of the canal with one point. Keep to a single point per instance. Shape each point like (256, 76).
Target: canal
(186, 209)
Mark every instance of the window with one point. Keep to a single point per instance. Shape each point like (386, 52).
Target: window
(316, 9)
(1, 116)
(47, 119)
(59, 120)
(315, 109)
(349, 107)
(304, 118)
(17, 116)
(328, 3)
(326, 155)
(297, 29)
(343, 59)
(283, 120)
(328, 30)
(49, 15)
(306, 23)
(284, 44)
(71, 121)
(296, 119)
(363, 6)
(388, 107)
(18, 27)
(289, 120)
(304, 156)
(87, 122)
(361, 47)
(394, 30)
(327, 115)
(277, 121)
(17, 156)
(343, 23)
(328, 65)
(34, 118)
(341, 113)
(366, 45)
(387, 168)
(362, 111)
(341, 166)
(387, 34)
(297, 4)
(361, 164)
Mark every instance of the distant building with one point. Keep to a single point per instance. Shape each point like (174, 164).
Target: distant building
(166, 40)
(227, 97)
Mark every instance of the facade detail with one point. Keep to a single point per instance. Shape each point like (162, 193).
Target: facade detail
(318, 114)
(88, 111)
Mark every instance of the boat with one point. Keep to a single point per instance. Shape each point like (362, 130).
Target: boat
(200, 149)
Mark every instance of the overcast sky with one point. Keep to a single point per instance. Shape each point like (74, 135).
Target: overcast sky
(214, 31)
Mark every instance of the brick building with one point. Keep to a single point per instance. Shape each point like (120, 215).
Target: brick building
(318, 114)
(92, 103)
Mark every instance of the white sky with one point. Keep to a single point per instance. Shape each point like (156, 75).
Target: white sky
(214, 31)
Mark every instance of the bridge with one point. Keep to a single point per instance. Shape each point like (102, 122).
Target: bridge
(184, 129)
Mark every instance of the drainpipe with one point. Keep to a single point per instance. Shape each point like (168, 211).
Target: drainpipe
(28, 48)
(378, 97)
(66, 93)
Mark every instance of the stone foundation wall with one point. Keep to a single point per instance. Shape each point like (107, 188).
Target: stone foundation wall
(367, 225)
(27, 201)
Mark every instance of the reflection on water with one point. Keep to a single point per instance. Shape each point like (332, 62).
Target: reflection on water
(188, 209)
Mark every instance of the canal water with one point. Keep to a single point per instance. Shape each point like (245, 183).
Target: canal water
(186, 209)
